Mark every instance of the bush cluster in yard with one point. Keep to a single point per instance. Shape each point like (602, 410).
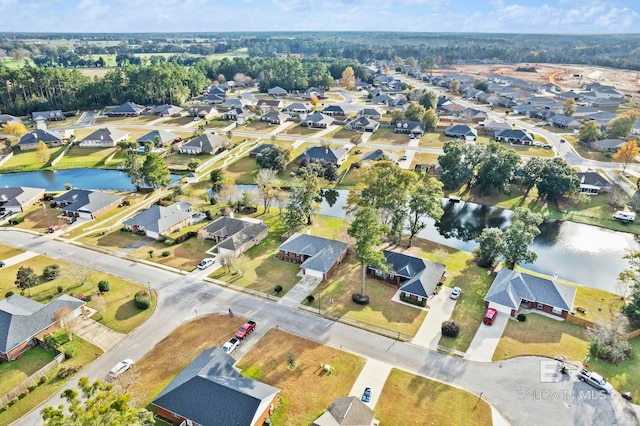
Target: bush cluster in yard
(142, 299)
(166, 253)
(56, 339)
(277, 288)
(16, 220)
(521, 317)
(104, 286)
(450, 329)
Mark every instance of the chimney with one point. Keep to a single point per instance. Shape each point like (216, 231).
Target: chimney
(308, 231)
(231, 214)
(326, 150)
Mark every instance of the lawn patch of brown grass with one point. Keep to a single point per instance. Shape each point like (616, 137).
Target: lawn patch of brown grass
(409, 399)
(306, 391)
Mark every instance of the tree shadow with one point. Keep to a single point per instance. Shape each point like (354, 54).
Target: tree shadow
(127, 310)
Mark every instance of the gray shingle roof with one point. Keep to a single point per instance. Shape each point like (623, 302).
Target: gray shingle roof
(107, 134)
(55, 114)
(210, 392)
(206, 142)
(321, 153)
(348, 411)
(422, 275)
(17, 196)
(159, 218)
(323, 252)
(609, 143)
(128, 108)
(22, 318)
(517, 134)
(235, 231)
(377, 154)
(164, 136)
(460, 130)
(86, 200)
(37, 135)
(593, 179)
(511, 287)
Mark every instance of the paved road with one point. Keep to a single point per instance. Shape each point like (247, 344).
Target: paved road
(513, 387)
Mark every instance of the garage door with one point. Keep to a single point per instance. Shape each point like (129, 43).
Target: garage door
(500, 308)
(313, 273)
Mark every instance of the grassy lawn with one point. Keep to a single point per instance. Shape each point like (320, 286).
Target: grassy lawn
(532, 151)
(405, 394)
(540, 335)
(160, 365)
(7, 251)
(176, 121)
(142, 119)
(243, 171)
(40, 219)
(27, 161)
(300, 130)
(624, 377)
(342, 134)
(306, 391)
(119, 312)
(387, 135)
(217, 124)
(91, 158)
(85, 353)
(259, 126)
(183, 256)
(114, 240)
(177, 161)
(15, 372)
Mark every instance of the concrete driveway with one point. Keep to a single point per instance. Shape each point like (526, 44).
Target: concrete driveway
(440, 309)
(486, 339)
(22, 257)
(96, 333)
(296, 295)
(373, 375)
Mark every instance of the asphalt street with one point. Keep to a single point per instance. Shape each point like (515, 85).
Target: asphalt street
(514, 387)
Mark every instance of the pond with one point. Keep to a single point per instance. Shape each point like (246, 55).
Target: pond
(55, 180)
(583, 254)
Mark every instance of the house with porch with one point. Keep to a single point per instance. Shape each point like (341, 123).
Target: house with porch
(235, 236)
(564, 122)
(207, 143)
(607, 145)
(515, 290)
(275, 117)
(203, 111)
(362, 124)
(104, 138)
(24, 321)
(318, 120)
(159, 221)
(378, 155)
(296, 108)
(159, 138)
(269, 104)
(591, 183)
(238, 115)
(461, 131)
(277, 92)
(372, 113)
(415, 129)
(16, 199)
(30, 140)
(86, 204)
(417, 278)
(127, 109)
(54, 115)
(168, 110)
(347, 411)
(319, 257)
(516, 136)
(334, 111)
(324, 155)
(211, 392)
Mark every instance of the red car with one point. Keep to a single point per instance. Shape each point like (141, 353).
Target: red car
(53, 228)
(490, 316)
(246, 328)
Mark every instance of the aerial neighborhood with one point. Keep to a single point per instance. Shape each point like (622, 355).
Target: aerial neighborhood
(269, 238)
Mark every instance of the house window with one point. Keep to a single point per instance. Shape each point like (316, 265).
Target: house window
(540, 306)
(378, 273)
(419, 298)
(556, 311)
(298, 256)
(392, 276)
(286, 253)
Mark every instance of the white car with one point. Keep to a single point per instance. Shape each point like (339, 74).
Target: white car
(231, 345)
(455, 293)
(120, 368)
(206, 262)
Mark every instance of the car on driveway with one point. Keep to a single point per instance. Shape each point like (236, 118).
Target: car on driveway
(595, 380)
(206, 262)
(120, 368)
(404, 157)
(2, 264)
(231, 345)
(538, 144)
(490, 316)
(563, 140)
(455, 293)
(366, 395)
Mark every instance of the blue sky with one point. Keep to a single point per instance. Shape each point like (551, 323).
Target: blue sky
(529, 16)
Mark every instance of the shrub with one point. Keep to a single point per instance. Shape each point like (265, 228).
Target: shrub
(16, 220)
(166, 253)
(104, 286)
(65, 372)
(142, 300)
(277, 288)
(450, 329)
(60, 288)
(51, 272)
(69, 353)
(521, 317)
(8, 294)
(42, 380)
(208, 214)
(169, 242)
(310, 299)
(360, 299)
(607, 345)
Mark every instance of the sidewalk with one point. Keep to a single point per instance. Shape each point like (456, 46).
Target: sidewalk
(19, 258)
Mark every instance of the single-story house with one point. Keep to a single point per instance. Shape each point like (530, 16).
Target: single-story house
(17, 199)
(452, 108)
(383, 99)
(203, 111)
(334, 110)
(31, 140)
(372, 113)
(127, 109)
(516, 136)
(592, 183)
(461, 131)
(87, 204)
(492, 126)
(324, 155)
(159, 221)
(416, 277)
(207, 143)
(414, 128)
(167, 110)
(608, 145)
(211, 392)
(348, 411)
(581, 111)
(276, 92)
(159, 138)
(274, 117)
(362, 124)
(296, 108)
(318, 120)
(54, 115)
(258, 149)
(235, 236)
(318, 256)
(524, 109)
(269, 104)
(234, 103)
(512, 290)
(474, 115)
(104, 138)
(214, 98)
(377, 155)
(24, 321)
(237, 114)
(314, 92)
(603, 118)
(6, 118)
(564, 122)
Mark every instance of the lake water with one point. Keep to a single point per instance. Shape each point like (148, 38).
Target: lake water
(55, 180)
(579, 253)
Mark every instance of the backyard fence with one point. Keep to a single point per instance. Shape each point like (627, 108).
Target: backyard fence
(579, 321)
(31, 381)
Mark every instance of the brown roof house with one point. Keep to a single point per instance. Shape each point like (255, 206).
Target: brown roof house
(318, 256)
(235, 236)
(87, 204)
(512, 290)
(104, 138)
(159, 221)
(348, 411)
(417, 277)
(23, 321)
(210, 392)
(16, 199)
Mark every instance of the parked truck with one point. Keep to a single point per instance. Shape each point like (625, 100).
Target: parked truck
(595, 380)
(246, 328)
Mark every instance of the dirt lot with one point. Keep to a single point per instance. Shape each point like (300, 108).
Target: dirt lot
(625, 81)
